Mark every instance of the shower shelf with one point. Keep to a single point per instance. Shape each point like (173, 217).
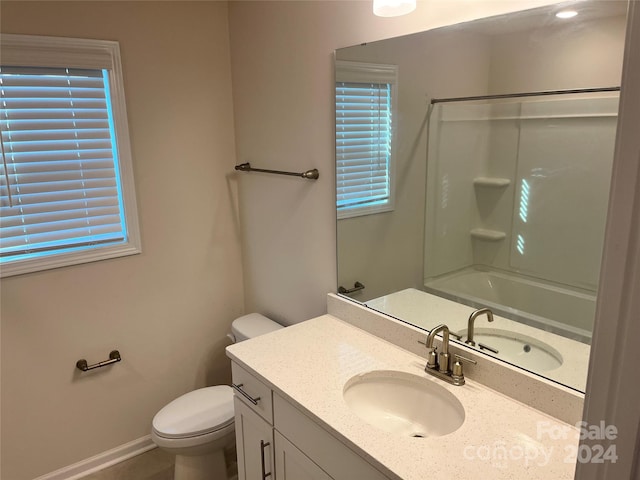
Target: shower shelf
(489, 235)
(493, 182)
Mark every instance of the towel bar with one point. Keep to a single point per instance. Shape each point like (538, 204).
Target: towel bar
(356, 286)
(114, 356)
(312, 174)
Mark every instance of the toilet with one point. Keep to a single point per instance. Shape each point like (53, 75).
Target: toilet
(197, 426)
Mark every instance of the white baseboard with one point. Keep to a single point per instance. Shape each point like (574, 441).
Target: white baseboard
(102, 460)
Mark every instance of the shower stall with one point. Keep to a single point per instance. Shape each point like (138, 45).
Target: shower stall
(517, 195)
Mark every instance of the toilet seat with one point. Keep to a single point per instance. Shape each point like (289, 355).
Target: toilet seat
(196, 414)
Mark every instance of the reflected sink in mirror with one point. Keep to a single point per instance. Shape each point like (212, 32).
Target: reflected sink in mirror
(522, 350)
(404, 404)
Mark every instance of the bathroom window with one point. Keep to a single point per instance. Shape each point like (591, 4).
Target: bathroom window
(66, 182)
(365, 103)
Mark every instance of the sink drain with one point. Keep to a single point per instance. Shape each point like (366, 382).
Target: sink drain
(418, 435)
(527, 348)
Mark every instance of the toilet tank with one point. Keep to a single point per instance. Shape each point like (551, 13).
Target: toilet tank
(252, 325)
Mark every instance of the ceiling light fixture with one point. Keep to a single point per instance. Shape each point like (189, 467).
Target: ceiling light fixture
(566, 14)
(393, 8)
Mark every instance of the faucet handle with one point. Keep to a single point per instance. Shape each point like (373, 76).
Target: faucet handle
(456, 372)
(464, 359)
(429, 349)
(432, 355)
(432, 359)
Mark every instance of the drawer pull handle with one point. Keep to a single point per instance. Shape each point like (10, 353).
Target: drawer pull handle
(238, 388)
(263, 445)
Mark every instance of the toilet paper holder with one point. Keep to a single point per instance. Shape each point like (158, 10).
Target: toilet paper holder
(114, 356)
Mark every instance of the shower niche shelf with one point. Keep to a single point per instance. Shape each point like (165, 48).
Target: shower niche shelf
(488, 235)
(491, 182)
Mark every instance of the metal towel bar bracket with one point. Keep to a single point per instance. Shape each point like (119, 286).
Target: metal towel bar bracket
(312, 174)
(114, 356)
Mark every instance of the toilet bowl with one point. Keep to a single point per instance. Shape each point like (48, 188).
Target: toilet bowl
(197, 426)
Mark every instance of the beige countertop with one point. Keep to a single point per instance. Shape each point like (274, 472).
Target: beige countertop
(309, 364)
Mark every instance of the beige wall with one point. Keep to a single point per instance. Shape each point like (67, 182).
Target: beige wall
(166, 310)
(282, 66)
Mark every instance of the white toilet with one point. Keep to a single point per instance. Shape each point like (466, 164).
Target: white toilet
(199, 425)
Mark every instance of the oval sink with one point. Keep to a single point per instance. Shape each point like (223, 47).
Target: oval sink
(514, 347)
(404, 404)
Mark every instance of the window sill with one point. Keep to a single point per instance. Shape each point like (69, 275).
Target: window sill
(59, 260)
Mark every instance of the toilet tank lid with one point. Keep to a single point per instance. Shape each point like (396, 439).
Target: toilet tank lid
(253, 325)
(196, 413)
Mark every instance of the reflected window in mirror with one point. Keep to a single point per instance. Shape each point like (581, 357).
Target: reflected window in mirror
(365, 104)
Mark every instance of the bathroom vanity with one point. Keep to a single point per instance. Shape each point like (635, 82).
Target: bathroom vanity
(267, 429)
(293, 420)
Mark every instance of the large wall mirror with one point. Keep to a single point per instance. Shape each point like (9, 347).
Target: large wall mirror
(473, 171)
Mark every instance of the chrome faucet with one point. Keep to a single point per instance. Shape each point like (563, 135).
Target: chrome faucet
(472, 319)
(438, 365)
(434, 361)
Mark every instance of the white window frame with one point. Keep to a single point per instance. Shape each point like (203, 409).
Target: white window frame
(40, 51)
(360, 72)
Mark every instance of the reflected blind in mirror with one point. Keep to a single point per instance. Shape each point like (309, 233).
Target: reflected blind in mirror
(364, 113)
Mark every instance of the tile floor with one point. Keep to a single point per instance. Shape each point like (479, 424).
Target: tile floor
(152, 465)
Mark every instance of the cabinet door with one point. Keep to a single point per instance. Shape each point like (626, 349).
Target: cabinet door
(322, 448)
(292, 464)
(254, 443)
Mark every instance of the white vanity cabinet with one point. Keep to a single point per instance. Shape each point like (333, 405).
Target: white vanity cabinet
(277, 441)
(254, 444)
(292, 464)
(254, 426)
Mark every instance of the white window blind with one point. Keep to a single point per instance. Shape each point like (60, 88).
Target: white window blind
(364, 137)
(61, 196)
(59, 184)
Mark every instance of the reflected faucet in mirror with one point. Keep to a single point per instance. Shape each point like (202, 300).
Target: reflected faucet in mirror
(472, 319)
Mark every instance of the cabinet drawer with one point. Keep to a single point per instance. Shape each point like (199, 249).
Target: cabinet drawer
(320, 446)
(254, 390)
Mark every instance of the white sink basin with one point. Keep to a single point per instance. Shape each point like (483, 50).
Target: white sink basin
(513, 347)
(404, 404)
